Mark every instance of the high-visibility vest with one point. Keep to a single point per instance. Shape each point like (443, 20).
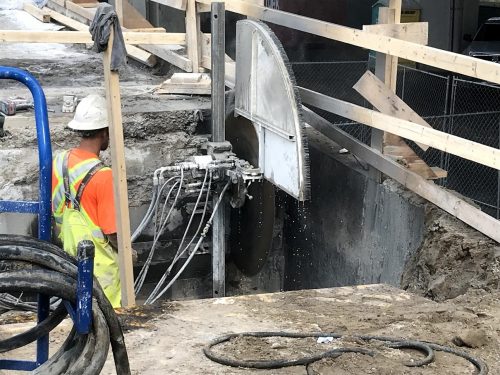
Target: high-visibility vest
(73, 224)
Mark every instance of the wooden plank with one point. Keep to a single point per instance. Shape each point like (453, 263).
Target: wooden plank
(148, 30)
(84, 12)
(230, 68)
(386, 70)
(59, 2)
(453, 62)
(395, 5)
(132, 51)
(193, 35)
(140, 55)
(88, 5)
(440, 173)
(37, 36)
(66, 21)
(171, 55)
(206, 51)
(205, 8)
(186, 83)
(444, 199)
(112, 84)
(415, 32)
(177, 4)
(119, 10)
(383, 65)
(464, 148)
(36, 12)
(63, 10)
(384, 99)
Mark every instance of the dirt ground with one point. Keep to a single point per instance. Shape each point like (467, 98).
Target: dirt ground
(453, 259)
(170, 338)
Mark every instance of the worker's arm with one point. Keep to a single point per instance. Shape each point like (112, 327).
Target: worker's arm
(113, 241)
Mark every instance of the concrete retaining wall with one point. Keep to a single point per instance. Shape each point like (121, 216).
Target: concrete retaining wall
(353, 231)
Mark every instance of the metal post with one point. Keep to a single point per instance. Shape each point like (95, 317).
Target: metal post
(84, 285)
(218, 72)
(218, 135)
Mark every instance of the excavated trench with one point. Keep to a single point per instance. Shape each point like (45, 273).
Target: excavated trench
(352, 232)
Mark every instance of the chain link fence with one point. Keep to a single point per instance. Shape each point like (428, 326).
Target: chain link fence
(455, 105)
(336, 79)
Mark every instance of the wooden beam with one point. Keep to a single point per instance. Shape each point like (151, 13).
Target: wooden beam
(415, 32)
(36, 12)
(177, 4)
(26, 36)
(140, 55)
(88, 5)
(381, 97)
(193, 32)
(171, 55)
(205, 8)
(148, 30)
(464, 148)
(66, 21)
(387, 70)
(444, 199)
(453, 62)
(112, 84)
(63, 10)
(119, 10)
(396, 6)
(132, 51)
(383, 65)
(206, 53)
(81, 11)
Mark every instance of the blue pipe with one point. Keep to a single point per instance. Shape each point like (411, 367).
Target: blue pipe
(45, 183)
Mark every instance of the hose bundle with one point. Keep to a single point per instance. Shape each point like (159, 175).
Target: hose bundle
(426, 348)
(54, 273)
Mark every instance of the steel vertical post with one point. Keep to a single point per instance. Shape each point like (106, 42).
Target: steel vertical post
(218, 135)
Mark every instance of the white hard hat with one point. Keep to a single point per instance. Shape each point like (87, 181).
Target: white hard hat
(90, 114)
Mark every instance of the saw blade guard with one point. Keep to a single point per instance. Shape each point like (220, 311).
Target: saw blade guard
(266, 94)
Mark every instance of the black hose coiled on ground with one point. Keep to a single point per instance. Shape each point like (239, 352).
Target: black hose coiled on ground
(425, 348)
(54, 273)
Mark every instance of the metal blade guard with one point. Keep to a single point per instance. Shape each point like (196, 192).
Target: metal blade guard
(266, 95)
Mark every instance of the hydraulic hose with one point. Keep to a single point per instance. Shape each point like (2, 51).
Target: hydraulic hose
(54, 273)
(426, 348)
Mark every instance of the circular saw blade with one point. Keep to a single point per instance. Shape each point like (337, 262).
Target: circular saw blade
(251, 225)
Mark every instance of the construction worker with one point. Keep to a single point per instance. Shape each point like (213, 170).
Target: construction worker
(82, 195)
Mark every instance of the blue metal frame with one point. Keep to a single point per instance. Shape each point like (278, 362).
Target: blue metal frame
(82, 315)
(44, 204)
